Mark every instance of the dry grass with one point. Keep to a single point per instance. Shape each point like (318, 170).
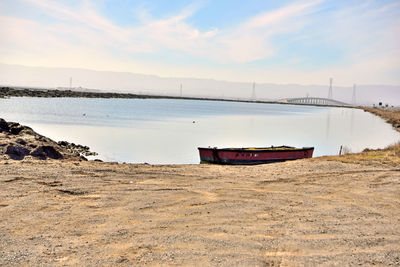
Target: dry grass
(388, 156)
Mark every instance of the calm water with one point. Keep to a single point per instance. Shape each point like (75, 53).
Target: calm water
(162, 131)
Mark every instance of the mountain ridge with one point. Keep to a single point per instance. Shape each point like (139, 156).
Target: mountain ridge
(129, 82)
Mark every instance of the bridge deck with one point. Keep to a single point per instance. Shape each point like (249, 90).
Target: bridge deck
(314, 101)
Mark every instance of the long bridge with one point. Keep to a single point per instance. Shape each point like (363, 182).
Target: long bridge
(314, 101)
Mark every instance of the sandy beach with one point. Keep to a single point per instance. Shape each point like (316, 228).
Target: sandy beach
(335, 211)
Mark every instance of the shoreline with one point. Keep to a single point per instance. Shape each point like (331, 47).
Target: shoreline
(390, 115)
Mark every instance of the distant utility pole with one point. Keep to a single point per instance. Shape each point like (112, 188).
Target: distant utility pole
(330, 89)
(70, 83)
(353, 99)
(181, 91)
(253, 94)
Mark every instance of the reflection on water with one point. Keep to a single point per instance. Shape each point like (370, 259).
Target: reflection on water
(328, 124)
(169, 131)
(352, 122)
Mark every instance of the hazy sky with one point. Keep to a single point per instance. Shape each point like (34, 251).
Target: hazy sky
(302, 42)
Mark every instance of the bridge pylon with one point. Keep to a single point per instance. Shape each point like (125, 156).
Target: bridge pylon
(330, 93)
(253, 94)
(353, 99)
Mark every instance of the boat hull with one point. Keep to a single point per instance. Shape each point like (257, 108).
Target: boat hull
(252, 156)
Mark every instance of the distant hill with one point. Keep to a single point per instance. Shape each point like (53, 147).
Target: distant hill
(40, 77)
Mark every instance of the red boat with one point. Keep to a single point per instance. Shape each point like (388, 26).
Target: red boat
(252, 155)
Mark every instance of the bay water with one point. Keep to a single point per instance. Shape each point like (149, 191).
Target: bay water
(168, 131)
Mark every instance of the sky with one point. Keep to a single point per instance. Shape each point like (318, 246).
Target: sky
(284, 42)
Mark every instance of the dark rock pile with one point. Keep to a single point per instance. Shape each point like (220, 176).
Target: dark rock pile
(11, 127)
(17, 152)
(73, 148)
(18, 141)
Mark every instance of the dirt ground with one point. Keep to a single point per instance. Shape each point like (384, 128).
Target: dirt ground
(300, 213)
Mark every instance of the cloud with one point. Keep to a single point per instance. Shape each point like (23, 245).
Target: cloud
(151, 36)
(251, 40)
(366, 35)
(271, 18)
(246, 42)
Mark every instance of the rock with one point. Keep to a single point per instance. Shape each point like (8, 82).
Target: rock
(21, 141)
(63, 143)
(43, 152)
(4, 126)
(76, 149)
(16, 128)
(39, 153)
(17, 152)
(88, 153)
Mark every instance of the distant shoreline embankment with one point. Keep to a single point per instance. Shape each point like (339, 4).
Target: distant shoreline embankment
(56, 93)
(21, 92)
(28, 92)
